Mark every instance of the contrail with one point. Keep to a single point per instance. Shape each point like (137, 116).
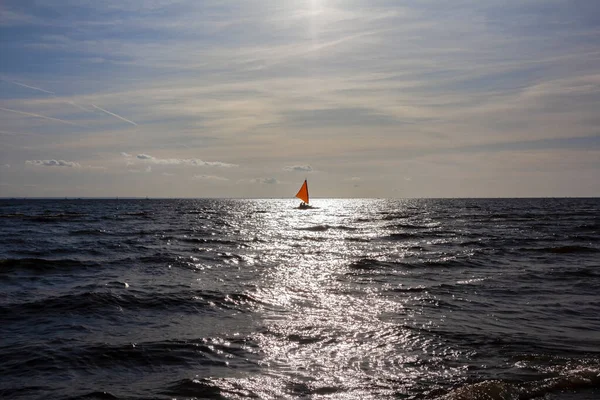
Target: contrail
(49, 92)
(31, 87)
(15, 133)
(39, 116)
(66, 101)
(114, 115)
(8, 133)
(78, 106)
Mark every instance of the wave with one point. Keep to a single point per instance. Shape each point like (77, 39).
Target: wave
(323, 228)
(436, 287)
(392, 217)
(573, 272)
(129, 300)
(408, 226)
(137, 214)
(426, 235)
(404, 236)
(372, 264)
(474, 243)
(563, 249)
(224, 388)
(90, 232)
(54, 251)
(413, 289)
(205, 352)
(202, 388)
(209, 241)
(47, 217)
(41, 265)
(571, 380)
(358, 239)
(593, 227)
(14, 215)
(22, 392)
(127, 216)
(210, 256)
(97, 395)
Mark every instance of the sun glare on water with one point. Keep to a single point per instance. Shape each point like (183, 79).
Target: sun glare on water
(318, 328)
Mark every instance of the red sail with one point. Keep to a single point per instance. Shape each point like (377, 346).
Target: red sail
(303, 192)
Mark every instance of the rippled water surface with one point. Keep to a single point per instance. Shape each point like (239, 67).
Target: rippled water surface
(355, 299)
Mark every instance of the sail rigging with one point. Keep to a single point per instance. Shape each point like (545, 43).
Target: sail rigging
(303, 192)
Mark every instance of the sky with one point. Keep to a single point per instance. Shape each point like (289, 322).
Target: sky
(364, 98)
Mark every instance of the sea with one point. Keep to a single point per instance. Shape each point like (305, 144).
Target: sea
(256, 299)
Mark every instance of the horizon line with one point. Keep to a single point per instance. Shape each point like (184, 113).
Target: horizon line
(281, 198)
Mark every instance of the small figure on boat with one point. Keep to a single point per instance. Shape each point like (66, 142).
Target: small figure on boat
(303, 205)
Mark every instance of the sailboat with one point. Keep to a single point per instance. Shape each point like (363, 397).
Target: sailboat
(303, 195)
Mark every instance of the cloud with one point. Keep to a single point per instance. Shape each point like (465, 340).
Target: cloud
(209, 178)
(265, 181)
(53, 163)
(184, 161)
(63, 163)
(299, 168)
(355, 179)
(127, 155)
(137, 170)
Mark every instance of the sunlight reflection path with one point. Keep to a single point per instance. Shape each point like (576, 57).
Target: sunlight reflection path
(323, 331)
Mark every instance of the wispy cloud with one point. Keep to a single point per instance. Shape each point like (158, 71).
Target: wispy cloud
(299, 168)
(209, 178)
(184, 161)
(114, 115)
(265, 181)
(67, 164)
(53, 163)
(148, 169)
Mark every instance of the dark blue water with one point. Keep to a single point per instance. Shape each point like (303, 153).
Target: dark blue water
(355, 299)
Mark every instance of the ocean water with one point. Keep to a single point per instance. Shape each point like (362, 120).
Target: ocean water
(355, 299)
